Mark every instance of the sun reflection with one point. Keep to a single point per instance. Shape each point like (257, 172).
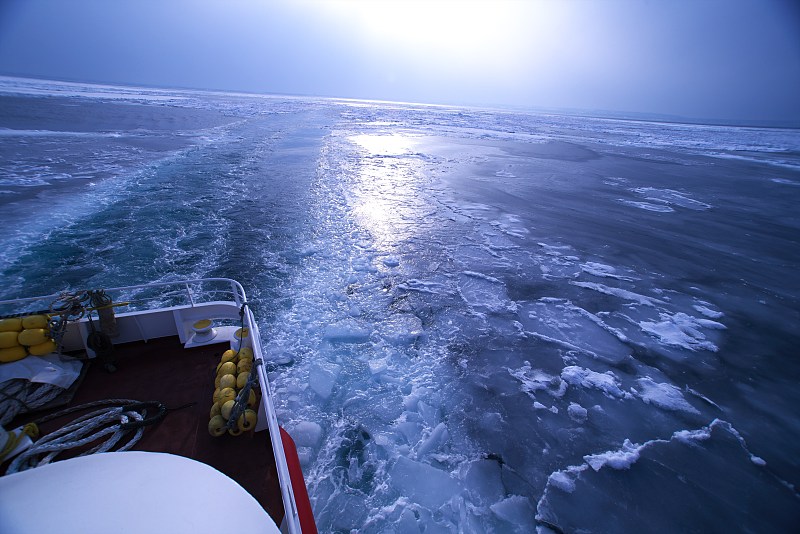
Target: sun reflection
(385, 145)
(387, 195)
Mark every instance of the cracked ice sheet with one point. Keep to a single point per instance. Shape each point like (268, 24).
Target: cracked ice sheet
(690, 469)
(561, 322)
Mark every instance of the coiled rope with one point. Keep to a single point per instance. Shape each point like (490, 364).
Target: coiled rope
(121, 422)
(22, 396)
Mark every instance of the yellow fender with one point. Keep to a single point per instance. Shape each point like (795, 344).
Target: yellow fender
(33, 336)
(8, 340)
(35, 321)
(43, 348)
(13, 324)
(12, 354)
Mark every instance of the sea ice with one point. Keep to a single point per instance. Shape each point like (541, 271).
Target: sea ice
(606, 382)
(377, 366)
(322, 377)
(622, 458)
(617, 292)
(669, 196)
(306, 434)
(437, 437)
(565, 478)
(682, 330)
(602, 270)
(517, 510)
(347, 331)
(665, 396)
(660, 208)
(401, 329)
(534, 380)
(577, 412)
(391, 261)
(561, 322)
(708, 312)
(422, 483)
(484, 292)
(484, 481)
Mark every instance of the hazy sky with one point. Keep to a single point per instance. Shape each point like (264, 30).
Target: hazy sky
(695, 58)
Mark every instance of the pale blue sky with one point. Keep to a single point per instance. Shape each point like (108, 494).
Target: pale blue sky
(729, 59)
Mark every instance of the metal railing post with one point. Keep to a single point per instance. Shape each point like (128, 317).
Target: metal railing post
(189, 293)
(236, 296)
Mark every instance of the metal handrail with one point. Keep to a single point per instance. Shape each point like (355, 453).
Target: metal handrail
(239, 295)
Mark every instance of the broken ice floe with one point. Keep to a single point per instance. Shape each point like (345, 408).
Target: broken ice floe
(708, 312)
(618, 292)
(484, 292)
(670, 196)
(602, 270)
(660, 208)
(606, 382)
(682, 330)
(665, 396)
(577, 413)
(561, 322)
(534, 380)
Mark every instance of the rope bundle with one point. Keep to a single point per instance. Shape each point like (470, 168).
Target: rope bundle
(123, 420)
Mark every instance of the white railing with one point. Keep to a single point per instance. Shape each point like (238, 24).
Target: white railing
(236, 291)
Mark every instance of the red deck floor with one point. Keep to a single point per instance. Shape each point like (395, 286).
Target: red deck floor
(162, 370)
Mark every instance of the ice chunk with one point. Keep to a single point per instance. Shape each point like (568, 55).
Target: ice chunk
(437, 437)
(617, 292)
(708, 312)
(534, 380)
(663, 395)
(491, 421)
(670, 196)
(391, 261)
(307, 434)
(517, 510)
(322, 378)
(622, 458)
(377, 366)
(682, 330)
(602, 270)
(409, 430)
(423, 286)
(277, 353)
(563, 323)
(577, 412)
(606, 382)
(363, 265)
(661, 208)
(482, 291)
(484, 481)
(401, 329)
(346, 331)
(305, 455)
(562, 481)
(423, 483)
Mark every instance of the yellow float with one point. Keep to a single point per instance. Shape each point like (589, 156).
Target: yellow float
(8, 340)
(33, 336)
(43, 348)
(35, 321)
(12, 354)
(13, 324)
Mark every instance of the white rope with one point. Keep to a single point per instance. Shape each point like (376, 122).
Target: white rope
(84, 430)
(21, 396)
